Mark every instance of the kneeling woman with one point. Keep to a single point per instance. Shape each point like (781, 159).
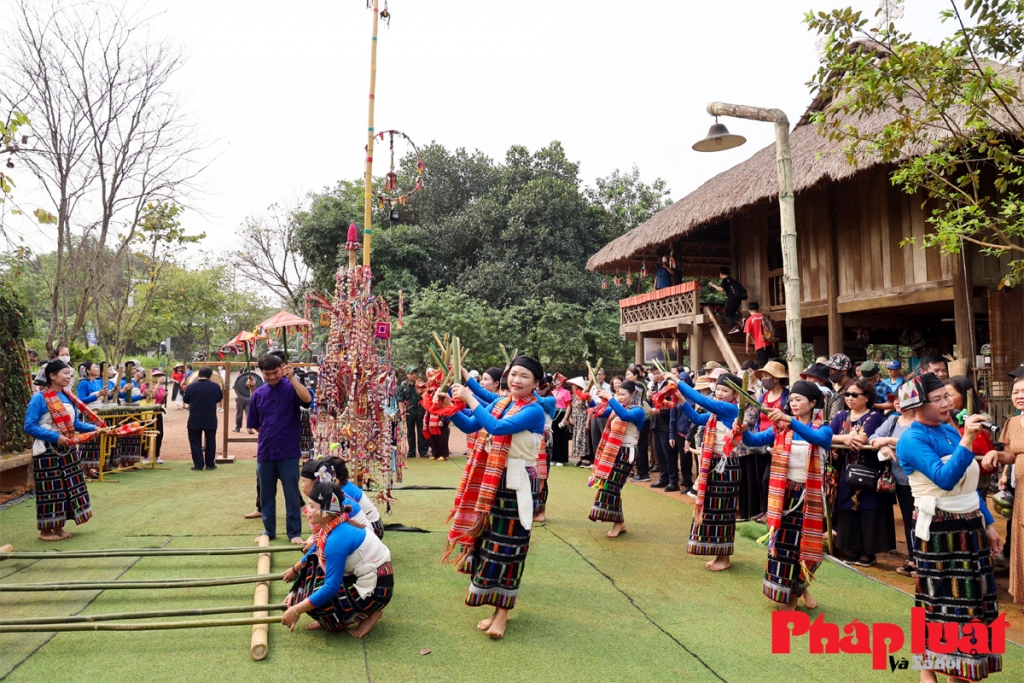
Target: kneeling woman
(795, 507)
(498, 493)
(346, 580)
(956, 535)
(615, 454)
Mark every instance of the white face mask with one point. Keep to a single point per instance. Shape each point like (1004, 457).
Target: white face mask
(66, 359)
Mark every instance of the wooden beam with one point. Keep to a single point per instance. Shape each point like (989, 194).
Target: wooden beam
(963, 310)
(696, 362)
(639, 347)
(898, 296)
(661, 325)
(835, 319)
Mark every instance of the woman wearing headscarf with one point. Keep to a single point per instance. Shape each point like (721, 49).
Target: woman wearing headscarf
(486, 386)
(885, 439)
(865, 525)
(346, 579)
(955, 533)
(713, 530)
(496, 498)
(795, 505)
(52, 418)
(577, 417)
(615, 454)
(754, 482)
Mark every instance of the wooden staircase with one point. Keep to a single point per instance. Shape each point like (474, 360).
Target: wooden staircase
(730, 351)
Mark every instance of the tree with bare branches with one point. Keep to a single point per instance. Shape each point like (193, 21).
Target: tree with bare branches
(271, 257)
(109, 137)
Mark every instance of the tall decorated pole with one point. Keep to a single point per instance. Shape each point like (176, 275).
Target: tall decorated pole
(368, 198)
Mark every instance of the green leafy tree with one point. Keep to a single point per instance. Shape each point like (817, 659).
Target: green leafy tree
(14, 389)
(190, 306)
(954, 115)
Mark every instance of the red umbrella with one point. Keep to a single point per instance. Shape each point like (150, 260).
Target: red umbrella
(244, 341)
(285, 322)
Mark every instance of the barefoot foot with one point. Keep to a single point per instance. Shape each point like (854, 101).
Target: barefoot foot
(255, 514)
(540, 519)
(720, 563)
(51, 535)
(485, 624)
(498, 624)
(618, 528)
(808, 600)
(364, 627)
(314, 626)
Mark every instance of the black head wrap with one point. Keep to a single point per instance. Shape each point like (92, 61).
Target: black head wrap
(495, 373)
(928, 382)
(732, 378)
(329, 497)
(628, 386)
(52, 368)
(808, 390)
(318, 469)
(531, 364)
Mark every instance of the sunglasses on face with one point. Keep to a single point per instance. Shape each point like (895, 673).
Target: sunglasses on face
(850, 394)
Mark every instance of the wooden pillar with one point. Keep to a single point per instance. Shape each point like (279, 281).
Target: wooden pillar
(835, 319)
(963, 311)
(639, 347)
(227, 410)
(696, 362)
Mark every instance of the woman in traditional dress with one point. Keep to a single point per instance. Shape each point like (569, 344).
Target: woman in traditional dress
(346, 580)
(1012, 438)
(494, 505)
(754, 480)
(52, 418)
(796, 520)
(865, 525)
(488, 381)
(615, 454)
(956, 535)
(577, 417)
(341, 478)
(713, 530)
(560, 427)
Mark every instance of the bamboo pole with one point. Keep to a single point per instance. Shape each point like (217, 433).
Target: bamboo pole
(115, 585)
(118, 616)
(368, 198)
(259, 646)
(140, 552)
(151, 626)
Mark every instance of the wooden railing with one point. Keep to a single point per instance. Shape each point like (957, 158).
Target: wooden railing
(776, 291)
(667, 305)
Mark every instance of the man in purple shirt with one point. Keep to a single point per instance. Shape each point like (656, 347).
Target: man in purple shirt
(275, 412)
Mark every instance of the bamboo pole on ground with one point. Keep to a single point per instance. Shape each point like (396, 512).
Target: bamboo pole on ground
(140, 552)
(259, 646)
(152, 626)
(123, 585)
(119, 616)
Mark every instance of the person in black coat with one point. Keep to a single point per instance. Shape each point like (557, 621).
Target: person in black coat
(668, 463)
(202, 398)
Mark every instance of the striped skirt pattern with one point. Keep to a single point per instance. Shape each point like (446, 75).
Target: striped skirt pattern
(955, 585)
(128, 451)
(608, 501)
(305, 434)
(542, 503)
(716, 533)
(89, 453)
(499, 555)
(378, 528)
(61, 493)
(346, 609)
(783, 577)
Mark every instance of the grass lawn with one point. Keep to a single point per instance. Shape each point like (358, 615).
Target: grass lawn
(636, 608)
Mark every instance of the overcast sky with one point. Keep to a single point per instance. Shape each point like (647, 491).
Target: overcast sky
(280, 89)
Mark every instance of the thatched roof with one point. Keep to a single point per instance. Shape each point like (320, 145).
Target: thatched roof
(816, 161)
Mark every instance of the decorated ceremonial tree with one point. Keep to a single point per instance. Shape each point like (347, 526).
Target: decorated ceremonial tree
(15, 387)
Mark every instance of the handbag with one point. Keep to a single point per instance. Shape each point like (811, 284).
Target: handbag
(886, 481)
(862, 477)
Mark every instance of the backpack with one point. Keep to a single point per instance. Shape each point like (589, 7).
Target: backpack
(743, 293)
(768, 329)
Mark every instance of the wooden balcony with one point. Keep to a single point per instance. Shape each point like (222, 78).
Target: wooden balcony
(662, 309)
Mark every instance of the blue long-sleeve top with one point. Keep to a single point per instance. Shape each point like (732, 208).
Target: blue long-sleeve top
(87, 387)
(636, 414)
(124, 392)
(820, 437)
(529, 419)
(37, 408)
(343, 540)
(482, 394)
(548, 404)
(921, 449)
(724, 411)
(353, 492)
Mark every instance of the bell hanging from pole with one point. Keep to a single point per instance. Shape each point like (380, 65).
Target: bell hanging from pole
(718, 139)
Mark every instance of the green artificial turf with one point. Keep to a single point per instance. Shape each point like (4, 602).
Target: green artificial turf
(636, 608)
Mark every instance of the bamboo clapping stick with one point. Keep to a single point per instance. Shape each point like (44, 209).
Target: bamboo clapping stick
(124, 616)
(147, 584)
(151, 626)
(142, 552)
